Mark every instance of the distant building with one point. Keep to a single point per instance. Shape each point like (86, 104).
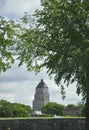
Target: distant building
(41, 96)
(73, 111)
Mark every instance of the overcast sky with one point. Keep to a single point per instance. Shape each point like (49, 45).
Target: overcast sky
(17, 84)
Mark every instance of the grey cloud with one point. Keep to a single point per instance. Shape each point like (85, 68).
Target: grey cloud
(19, 92)
(15, 74)
(20, 74)
(13, 78)
(2, 3)
(7, 88)
(17, 8)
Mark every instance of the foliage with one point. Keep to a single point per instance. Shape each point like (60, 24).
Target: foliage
(53, 108)
(7, 40)
(71, 105)
(59, 41)
(83, 113)
(10, 31)
(46, 115)
(8, 109)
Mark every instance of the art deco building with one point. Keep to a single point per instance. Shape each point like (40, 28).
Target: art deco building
(41, 96)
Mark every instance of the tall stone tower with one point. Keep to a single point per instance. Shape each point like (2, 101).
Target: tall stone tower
(41, 96)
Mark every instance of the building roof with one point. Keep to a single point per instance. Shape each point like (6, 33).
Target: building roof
(42, 84)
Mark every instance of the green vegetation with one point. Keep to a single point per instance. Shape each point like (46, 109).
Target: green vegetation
(60, 41)
(71, 110)
(53, 108)
(8, 109)
(57, 38)
(8, 32)
(20, 111)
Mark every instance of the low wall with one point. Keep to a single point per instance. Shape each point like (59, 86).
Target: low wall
(43, 124)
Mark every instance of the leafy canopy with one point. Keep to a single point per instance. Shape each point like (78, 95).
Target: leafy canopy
(9, 31)
(53, 108)
(59, 41)
(8, 109)
(57, 38)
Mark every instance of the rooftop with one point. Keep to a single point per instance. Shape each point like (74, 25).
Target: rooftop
(42, 84)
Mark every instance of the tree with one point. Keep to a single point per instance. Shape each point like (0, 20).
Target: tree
(83, 110)
(53, 108)
(8, 35)
(60, 41)
(21, 110)
(5, 109)
(8, 109)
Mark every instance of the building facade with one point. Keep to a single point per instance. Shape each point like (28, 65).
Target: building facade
(73, 111)
(41, 96)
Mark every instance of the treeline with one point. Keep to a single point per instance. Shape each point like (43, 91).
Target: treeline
(53, 108)
(8, 109)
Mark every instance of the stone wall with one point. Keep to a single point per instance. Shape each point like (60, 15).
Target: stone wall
(43, 124)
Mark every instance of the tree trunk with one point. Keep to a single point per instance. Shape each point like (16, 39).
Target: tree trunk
(87, 114)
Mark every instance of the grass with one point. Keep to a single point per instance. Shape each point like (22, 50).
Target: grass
(60, 117)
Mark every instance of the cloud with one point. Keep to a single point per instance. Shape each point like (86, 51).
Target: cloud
(8, 97)
(21, 92)
(16, 8)
(14, 74)
(20, 74)
(2, 3)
